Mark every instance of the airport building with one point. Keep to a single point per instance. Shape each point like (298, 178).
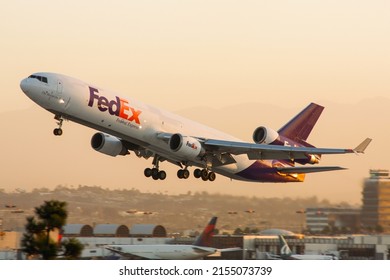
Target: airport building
(373, 216)
(260, 246)
(347, 247)
(331, 219)
(10, 245)
(376, 201)
(96, 238)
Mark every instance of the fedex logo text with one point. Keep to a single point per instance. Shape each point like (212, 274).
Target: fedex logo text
(119, 107)
(191, 145)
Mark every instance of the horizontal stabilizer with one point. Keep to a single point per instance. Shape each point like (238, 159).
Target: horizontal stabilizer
(299, 170)
(362, 146)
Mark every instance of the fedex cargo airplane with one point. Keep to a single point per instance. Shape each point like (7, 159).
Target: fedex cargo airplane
(199, 249)
(126, 124)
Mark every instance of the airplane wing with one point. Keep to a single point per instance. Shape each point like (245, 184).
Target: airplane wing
(233, 249)
(262, 152)
(270, 256)
(202, 250)
(124, 254)
(298, 170)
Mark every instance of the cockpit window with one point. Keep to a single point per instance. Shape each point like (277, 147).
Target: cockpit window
(39, 78)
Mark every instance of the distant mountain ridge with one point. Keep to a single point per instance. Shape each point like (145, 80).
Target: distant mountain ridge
(97, 205)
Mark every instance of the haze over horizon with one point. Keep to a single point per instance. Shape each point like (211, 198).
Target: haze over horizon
(234, 65)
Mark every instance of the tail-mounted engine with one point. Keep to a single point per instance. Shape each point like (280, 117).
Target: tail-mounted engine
(186, 146)
(108, 145)
(264, 135)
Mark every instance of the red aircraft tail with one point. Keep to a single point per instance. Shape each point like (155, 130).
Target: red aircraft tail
(205, 238)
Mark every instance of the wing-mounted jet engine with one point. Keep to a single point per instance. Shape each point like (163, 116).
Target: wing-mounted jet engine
(190, 148)
(108, 145)
(186, 146)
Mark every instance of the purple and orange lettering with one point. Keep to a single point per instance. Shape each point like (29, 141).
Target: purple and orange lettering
(119, 107)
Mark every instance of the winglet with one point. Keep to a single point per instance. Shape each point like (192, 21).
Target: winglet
(362, 146)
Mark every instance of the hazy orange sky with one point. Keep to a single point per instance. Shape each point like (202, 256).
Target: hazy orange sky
(180, 55)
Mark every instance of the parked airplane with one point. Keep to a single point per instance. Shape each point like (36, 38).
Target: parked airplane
(199, 249)
(287, 254)
(129, 125)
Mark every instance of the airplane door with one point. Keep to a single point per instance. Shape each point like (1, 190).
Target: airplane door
(59, 87)
(63, 99)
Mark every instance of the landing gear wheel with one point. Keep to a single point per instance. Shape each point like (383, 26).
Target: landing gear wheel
(211, 176)
(154, 172)
(180, 174)
(197, 173)
(148, 172)
(57, 131)
(162, 175)
(155, 176)
(204, 174)
(186, 174)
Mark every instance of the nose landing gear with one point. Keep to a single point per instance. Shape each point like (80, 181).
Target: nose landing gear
(58, 131)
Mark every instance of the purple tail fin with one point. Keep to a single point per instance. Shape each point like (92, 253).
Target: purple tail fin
(205, 238)
(299, 128)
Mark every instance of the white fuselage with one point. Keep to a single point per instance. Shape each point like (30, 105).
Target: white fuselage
(164, 252)
(136, 122)
(312, 257)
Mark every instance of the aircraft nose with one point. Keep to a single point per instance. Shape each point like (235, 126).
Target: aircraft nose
(23, 85)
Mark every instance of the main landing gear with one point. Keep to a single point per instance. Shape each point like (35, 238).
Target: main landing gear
(183, 173)
(58, 131)
(154, 172)
(198, 173)
(158, 174)
(204, 174)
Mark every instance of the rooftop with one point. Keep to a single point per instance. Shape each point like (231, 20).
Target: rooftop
(379, 174)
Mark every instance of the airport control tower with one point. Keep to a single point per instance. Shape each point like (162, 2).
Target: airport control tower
(376, 201)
